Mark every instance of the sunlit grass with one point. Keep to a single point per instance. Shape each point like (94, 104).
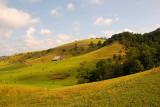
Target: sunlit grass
(38, 74)
(141, 89)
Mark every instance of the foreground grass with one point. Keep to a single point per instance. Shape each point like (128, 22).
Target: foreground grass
(141, 89)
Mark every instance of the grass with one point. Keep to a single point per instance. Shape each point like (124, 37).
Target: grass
(32, 58)
(39, 74)
(141, 89)
(105, 52)
(32, 85)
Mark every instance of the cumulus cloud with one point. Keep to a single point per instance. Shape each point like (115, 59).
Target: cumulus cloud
(117, 19)
(28, 39)
(128, 30)
(45, 32)
(108, 34)
(92, 36)
(11, 19)
(5, 49)
(4, 35)
(35, 20)
(70, 6)
(30, 43)
(100, 21)
(59, 41)
(63, 38)
(55, 11)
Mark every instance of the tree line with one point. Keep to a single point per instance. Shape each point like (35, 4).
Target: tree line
(142, 53)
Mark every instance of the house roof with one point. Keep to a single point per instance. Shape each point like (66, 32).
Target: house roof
(56, 57)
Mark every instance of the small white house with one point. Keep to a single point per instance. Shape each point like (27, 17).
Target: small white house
(56, 58)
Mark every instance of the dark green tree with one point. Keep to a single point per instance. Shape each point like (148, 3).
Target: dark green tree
(119, 57)
(92, 45)
(99, 44)
(136, 66)
(114, 57)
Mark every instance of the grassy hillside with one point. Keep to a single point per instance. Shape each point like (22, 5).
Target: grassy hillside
(54, 74)
(105, 52)
(66, 51)
(141, 89)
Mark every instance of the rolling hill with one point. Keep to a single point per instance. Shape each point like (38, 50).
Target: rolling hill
(45, 74)
(140, 89)
(66, 51)
(38, 81)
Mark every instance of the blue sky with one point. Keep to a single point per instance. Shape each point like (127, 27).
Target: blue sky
(30, 25)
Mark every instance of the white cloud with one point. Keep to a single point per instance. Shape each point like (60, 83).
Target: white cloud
(30, 31)
(28, 39)
(70, 6)
(45, 32)
(11, 19)
(4, 35)
(108, 34)
(55, 11)
(63, 37)
(30, 43)
(5, 49)
(117, 19)
(128, 30)
(59, 41)
(100, 21)
(158, 25)
(36, 20)
(92, 36)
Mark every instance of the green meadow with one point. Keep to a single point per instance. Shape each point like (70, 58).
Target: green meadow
(38, 82)
(39, 75)
(141, 89)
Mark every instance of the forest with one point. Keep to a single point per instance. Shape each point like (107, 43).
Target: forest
(142, 53)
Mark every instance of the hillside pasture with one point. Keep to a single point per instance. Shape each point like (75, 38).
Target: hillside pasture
(140, 89)
(39, 74)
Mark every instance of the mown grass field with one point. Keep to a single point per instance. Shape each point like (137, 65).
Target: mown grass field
(141, 89)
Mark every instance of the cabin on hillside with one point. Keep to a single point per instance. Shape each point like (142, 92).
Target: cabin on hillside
(56, 58)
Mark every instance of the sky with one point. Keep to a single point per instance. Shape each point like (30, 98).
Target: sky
(31, 25)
